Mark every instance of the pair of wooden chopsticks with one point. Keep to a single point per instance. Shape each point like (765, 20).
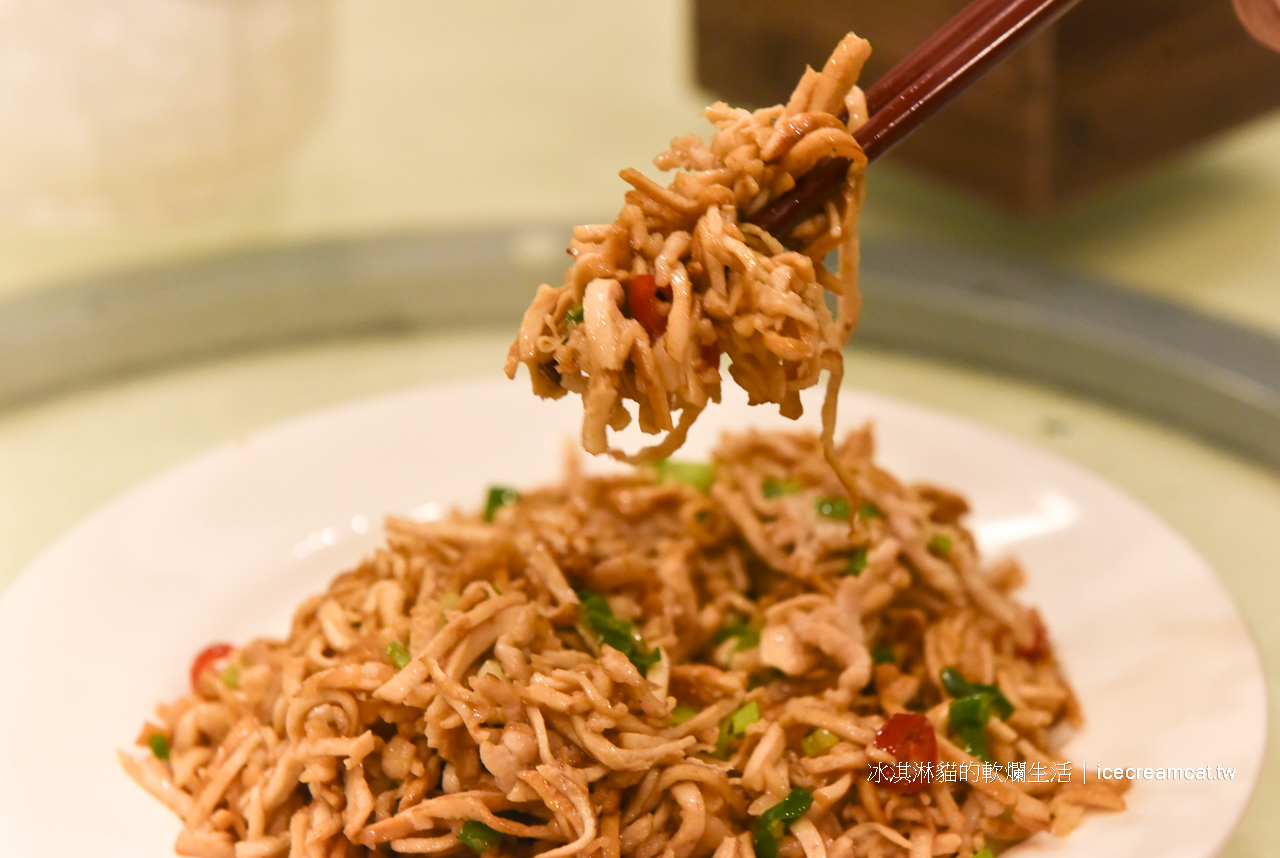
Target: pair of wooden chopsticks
(978, 37)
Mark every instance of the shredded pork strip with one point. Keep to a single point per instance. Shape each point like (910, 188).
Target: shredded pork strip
(759, 639)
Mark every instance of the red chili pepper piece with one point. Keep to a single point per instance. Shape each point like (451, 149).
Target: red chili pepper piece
(909, 737)
(1039, 647)
(642, 297)
(209, 659)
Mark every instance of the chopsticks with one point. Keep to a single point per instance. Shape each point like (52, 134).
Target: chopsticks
(945, 40)
(978, 37)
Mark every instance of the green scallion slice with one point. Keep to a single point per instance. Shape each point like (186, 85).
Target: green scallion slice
(867, 511)
(699, 475)
(773, 487)
(596, 614)
(883, 655)
(734, 726)
(967, 717)
(498, 497)
(399, 654)
(682, 713)
(969, 712)
(957, 686)
(940, 544)
(479, 837)
(159, 745)
(818, 742)
(833, 508)
(774, 822)
(856, 563)
(747, 633)
(743, 717)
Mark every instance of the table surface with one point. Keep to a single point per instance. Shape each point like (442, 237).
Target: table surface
(445, 116)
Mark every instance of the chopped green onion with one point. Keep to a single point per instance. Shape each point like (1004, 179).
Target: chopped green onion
(159, 745)
(682, 713)
(968, 714)
(967, 717)
(499, 496)
(724, 739)
(818, 742)
(774, 488)
(399, 654)
(856, 563)
(748, 634)
(883, 655)
(775, 821)
(867, 511)
(597, 615)
(230, 675)
(957, 686)
(734, 726)
(744, 716)
(833, 508)
(984, 852)
(699, 475)
(575, 315)
(940, 544)
(972, 710)
(479, 837)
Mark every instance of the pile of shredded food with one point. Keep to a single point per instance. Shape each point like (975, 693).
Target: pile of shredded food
(691, 659)
(654, 300)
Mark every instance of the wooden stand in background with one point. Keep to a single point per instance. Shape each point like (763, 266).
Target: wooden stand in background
(1113, 87)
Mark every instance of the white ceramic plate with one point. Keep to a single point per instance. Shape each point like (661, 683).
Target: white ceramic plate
(105, 623)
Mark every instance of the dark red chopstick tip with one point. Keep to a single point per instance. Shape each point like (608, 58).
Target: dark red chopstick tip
(810, 193)
(980, 35)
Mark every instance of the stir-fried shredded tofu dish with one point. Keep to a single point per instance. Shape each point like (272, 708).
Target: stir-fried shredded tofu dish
(720, 659)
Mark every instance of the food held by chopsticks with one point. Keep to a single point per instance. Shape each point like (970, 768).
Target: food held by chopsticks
(654, 300)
